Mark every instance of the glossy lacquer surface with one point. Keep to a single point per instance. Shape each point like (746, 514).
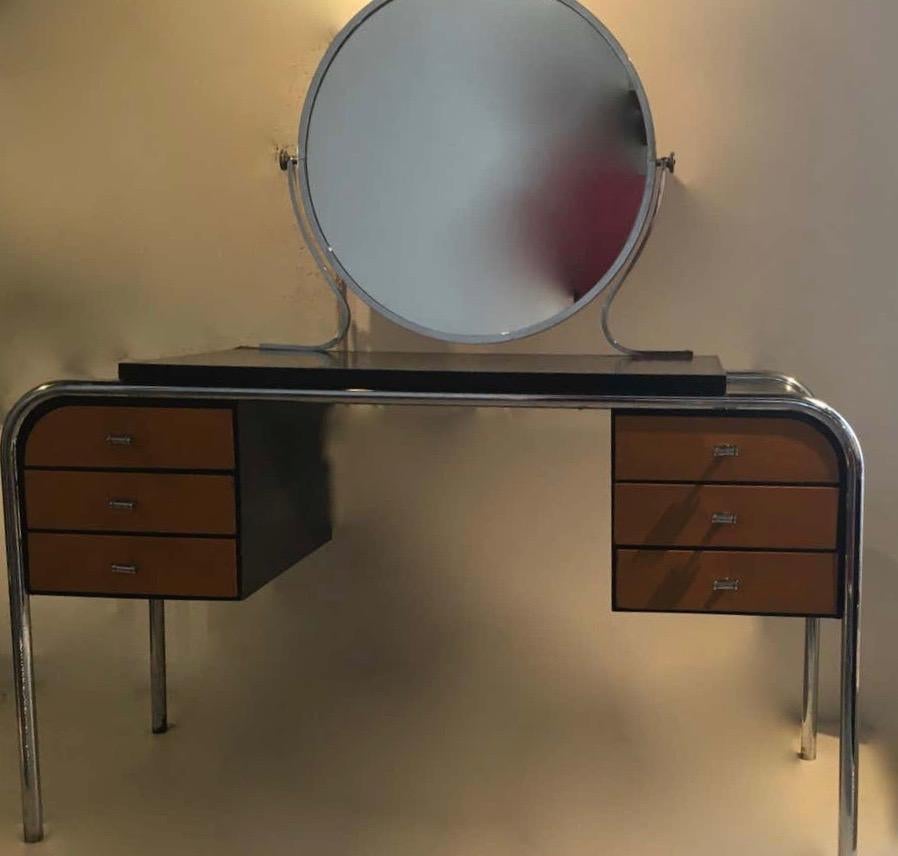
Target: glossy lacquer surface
(471, 374)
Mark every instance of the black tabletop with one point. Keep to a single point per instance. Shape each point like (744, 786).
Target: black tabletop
(497, 373)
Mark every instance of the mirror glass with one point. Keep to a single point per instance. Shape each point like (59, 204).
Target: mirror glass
(476, 170)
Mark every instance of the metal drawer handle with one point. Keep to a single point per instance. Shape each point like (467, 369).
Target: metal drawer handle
(724, 518)
(726, 450)
(119, 439)
(726, 585)
(123, 569)
(122, 504)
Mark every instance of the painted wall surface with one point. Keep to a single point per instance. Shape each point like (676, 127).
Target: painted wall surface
(142, 214)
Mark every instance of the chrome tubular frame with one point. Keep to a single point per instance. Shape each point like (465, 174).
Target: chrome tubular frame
(788, 399)
(22, 661)
(811, 689)
(663, 166)
(158, 700)
(747, 383)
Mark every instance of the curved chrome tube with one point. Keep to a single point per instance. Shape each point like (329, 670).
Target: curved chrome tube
(790, 385)
(663, 166)
(290, 165)
(20, 625)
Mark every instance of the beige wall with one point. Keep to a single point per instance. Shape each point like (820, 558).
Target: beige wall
(141, 213)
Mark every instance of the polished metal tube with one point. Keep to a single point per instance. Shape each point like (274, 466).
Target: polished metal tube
(787, 400)
(788, 384)
(158, 694)
(20, 625)
(811, 689)
(851, 642)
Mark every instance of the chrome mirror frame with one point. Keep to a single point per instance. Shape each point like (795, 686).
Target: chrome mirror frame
(608, 286)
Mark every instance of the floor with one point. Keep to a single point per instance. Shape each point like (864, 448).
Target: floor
(409, 749)
(418, 688)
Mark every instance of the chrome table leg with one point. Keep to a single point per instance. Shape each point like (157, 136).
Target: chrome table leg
(848, 738)
(851, 642)
(811, 689)
(157, 666)
(22, 659)
(23, 668)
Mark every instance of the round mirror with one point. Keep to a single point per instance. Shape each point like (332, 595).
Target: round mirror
(476, 170)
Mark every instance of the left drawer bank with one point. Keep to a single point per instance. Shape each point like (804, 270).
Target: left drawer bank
(170, 499)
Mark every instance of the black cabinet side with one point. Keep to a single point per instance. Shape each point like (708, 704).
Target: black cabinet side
(283, 485)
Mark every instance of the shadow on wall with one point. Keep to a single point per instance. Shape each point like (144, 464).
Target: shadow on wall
(411, 719)
(41, 314)
(879, 702)
(60, 328)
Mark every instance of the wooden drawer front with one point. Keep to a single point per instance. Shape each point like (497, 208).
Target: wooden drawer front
(776, 518)
(133, 438)
(132, 565)
(721, 449)
(716, 581)
(130, 502)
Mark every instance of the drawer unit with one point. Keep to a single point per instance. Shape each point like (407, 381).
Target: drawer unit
(716, 513)
(109, 437)
(774, 450)
(171, 501)
(125, 565)
(717, 581)
(760, 517)
(130, 502)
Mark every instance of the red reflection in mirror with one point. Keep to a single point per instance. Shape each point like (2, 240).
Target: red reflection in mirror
(580, 219)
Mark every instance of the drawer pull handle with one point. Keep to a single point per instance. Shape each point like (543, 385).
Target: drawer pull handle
(119, 439)
(122, 504)
(724, 518)
(725, 585)
(124, 569)
(726, 450)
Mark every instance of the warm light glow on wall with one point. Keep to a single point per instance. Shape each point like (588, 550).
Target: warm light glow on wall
(143, 213)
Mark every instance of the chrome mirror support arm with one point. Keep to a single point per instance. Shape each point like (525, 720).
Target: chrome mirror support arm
(663, 166)
(289, 163)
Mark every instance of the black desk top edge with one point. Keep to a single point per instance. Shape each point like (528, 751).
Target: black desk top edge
(454, 373)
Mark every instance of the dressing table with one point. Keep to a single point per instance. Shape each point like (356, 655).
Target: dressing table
(204, 477)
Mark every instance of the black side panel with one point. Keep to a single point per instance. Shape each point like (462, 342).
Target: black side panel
(283, 485)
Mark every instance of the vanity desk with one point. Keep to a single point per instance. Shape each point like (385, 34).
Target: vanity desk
(204, 478)
(475, 171)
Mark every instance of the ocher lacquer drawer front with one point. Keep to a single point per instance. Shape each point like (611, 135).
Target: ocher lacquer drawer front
(717, 581)
(722, 449)
(775, 518)
(104, 437)
(130, 502)
(132, 565)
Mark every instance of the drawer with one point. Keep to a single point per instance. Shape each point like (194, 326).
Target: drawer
(683, 515)
(130, 502)
(97, 437)
(718, 581)
(721, 449)
(132, 565)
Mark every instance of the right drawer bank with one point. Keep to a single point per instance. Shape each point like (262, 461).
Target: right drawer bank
(725, 514)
